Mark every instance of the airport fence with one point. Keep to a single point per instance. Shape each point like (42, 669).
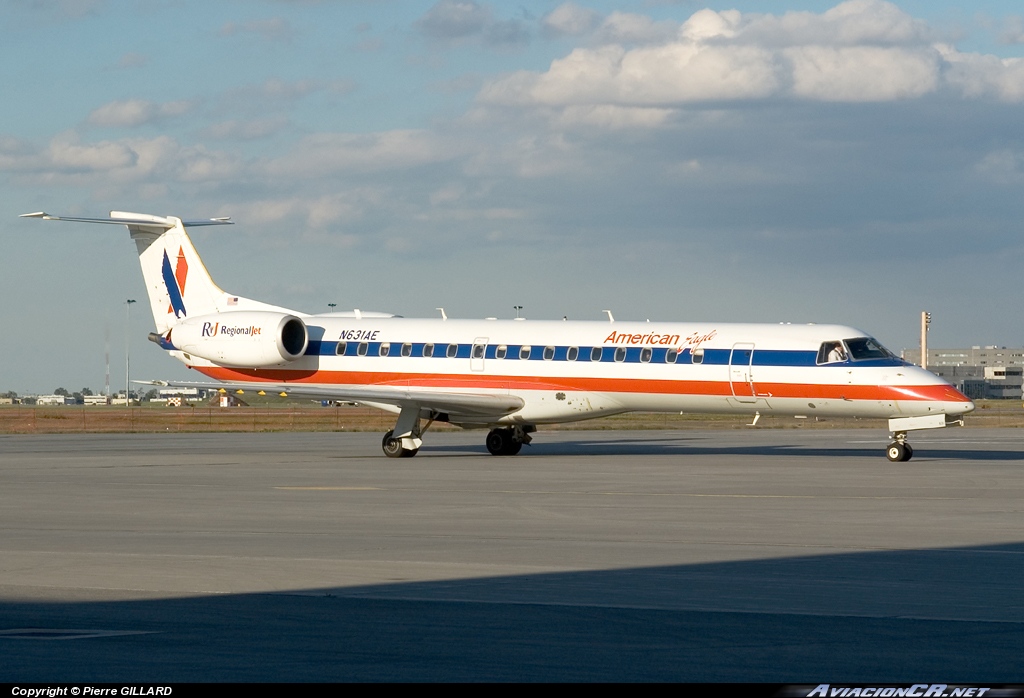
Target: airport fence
(99, 419)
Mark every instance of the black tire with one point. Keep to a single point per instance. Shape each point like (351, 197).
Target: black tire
(896, 452)
(391, 446)
(497, 441)
(909, 454)
(514, 447)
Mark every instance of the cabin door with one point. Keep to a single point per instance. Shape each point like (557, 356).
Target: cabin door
(741, 379)
(477, 354)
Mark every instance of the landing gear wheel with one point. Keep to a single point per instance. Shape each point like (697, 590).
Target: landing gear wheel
(392, 447)
(899, 453)
(502, 442)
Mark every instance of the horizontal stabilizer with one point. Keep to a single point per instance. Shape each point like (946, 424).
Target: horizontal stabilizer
(124, 218)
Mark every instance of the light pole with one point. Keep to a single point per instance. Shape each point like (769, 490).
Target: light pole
(926, 321)
(127, 352)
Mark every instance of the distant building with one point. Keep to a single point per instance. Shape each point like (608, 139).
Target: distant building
(95, 400)
(980, 373)
(51, 400)
(973, 356)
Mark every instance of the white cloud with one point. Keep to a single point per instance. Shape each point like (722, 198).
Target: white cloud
(109, 166)
(627, 28)
(274, 29)
(1013, 31)
(610, 116)
(326, 153)
(1002, 167)
(132, 60)
(246, 130)
(457, 21)
(454, 19)
(316, 211)
(847, 24)
(978, 76)
(858, 51)
(570, 19)
(135, 112)
(661, 75)
(862, 73)
(67, 154)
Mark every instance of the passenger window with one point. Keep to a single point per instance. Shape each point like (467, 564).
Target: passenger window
(671, 355)
(573, 353)
(340, 351)
(428, 350)
(453, 350)
(385, 349)
(697, 356)
(595, 354)
(549, 353)
(407, 349)
(362, 349)
(620, 354)
(524, 353)
(645, 355)
(478, 351)
(501, 351)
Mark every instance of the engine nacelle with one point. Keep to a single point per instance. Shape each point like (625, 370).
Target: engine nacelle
(242, 339)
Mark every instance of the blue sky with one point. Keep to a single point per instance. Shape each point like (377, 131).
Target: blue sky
(771, 161)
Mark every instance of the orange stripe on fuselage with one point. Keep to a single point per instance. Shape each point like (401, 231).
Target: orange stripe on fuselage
(818, 391)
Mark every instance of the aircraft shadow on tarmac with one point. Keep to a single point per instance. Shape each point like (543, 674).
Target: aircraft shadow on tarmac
(696, 446)
(952, 614)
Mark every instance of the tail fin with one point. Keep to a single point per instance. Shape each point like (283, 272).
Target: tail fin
(177, 281)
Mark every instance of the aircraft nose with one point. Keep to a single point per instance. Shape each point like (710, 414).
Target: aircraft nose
(963, 404)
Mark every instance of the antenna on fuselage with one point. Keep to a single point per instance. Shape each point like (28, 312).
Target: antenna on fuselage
(611, 318)
(444, 315)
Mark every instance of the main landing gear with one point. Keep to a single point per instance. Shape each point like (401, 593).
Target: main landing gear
(508, 442)
(899, 451)
(393, 447)
(405, 439)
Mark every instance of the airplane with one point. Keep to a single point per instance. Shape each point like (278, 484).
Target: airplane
(509, 376)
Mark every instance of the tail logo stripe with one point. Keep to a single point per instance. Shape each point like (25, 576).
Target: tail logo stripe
(173, 288)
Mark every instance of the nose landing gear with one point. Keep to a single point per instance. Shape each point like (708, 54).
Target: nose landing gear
(899, 451)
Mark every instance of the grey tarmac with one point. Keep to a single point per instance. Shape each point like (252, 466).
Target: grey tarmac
(796, 556)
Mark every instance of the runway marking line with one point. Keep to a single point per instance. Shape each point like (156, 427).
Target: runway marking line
(340, 489)
(66, 634)
(623, 494)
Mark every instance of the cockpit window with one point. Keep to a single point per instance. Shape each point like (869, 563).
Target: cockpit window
(863, 348)
(832, 352)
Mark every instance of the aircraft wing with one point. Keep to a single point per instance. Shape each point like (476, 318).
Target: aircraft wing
(466, 405)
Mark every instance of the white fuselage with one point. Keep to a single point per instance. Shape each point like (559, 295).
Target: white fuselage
(650, 366)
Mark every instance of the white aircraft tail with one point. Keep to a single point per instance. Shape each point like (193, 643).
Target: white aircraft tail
(178, 284)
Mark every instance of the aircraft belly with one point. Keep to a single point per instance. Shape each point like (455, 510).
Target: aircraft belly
(552, 406)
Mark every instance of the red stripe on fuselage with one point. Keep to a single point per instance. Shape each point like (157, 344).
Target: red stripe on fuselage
(938, 392)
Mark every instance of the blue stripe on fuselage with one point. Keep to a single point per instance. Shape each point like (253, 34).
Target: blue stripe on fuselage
(711, 357)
